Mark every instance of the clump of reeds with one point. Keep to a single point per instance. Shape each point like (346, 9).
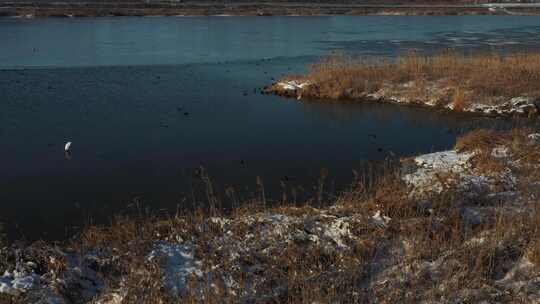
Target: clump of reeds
(483, 77)
(480, 139)
(517, 144)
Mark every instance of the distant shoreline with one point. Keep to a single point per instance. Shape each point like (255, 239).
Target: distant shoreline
(101, 9)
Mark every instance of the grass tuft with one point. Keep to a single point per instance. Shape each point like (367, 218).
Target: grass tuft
(480, 140)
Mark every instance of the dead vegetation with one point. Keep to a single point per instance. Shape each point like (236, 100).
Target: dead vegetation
(376, 244)
(483, 75)
(449, 78)
(481, 140)
(2, 236)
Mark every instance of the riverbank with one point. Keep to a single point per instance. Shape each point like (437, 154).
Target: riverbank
(162, 8)
(459, 225)
(488, 84)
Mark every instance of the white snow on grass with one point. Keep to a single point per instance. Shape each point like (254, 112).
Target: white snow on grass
(380, 220)
(535, 137)
(500, 152)
(436, 171)
(516, 105)
(446, 160)
(292, 85)
(337, 231)
(15, 283)
(178, 266)
(426, 177)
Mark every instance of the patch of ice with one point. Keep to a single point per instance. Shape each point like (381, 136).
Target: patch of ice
(178, 265)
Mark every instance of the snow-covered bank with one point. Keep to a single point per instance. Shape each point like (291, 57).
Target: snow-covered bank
(449, 227)
(434, 95)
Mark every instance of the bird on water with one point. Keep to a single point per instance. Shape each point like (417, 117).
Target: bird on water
(67, 150)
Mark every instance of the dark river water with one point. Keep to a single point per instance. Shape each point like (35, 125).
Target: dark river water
(148, 101)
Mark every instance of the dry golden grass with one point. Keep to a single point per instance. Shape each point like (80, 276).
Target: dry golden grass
(533, 251)
(471, 78)
(129, 239)
(518, 146)
(458, 100)
(481, 140)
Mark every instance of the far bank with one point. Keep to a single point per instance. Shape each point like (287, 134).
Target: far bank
(167, 8)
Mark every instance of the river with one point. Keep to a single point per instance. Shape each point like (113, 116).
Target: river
(148, 101)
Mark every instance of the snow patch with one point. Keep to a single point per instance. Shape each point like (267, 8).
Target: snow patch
(336, 230)
(179, 265)
(292, 85)
(429, 167)
(535, 137)
(380, 220)
(516, 105)
(500, 152)
(15, 283)
(446, 160)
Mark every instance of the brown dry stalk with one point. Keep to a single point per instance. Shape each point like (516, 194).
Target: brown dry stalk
(483, 77)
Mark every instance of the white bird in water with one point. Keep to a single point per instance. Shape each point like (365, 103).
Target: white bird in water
(67, 150)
